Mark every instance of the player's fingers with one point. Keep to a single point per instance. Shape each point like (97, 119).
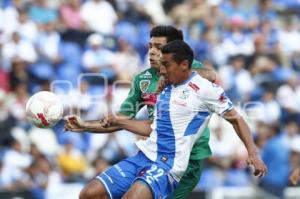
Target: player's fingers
(293, 180)
(262, 171)
(105, 122)
(68, 127)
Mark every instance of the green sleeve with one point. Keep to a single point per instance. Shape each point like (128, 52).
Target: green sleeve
(197, 65)
(132, 103)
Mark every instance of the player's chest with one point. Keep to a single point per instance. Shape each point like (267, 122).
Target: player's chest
(179, 100)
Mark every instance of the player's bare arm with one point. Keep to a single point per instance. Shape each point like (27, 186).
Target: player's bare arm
(243, 131)
(76, 124)
(138, 127)
(108, 125)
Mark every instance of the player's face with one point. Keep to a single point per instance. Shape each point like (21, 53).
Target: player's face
(170, 70)
(155, 45)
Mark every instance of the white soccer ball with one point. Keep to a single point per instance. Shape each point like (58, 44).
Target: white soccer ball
(44, 109)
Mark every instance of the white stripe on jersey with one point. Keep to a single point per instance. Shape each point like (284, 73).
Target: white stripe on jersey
(181, 114)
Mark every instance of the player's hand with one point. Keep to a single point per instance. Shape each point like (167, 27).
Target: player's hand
(294, 177)
(108, 121)
(74, 123)
(260, 169)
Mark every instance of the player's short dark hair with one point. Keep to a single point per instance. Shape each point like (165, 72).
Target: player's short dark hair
(170, 32)
(180, 50)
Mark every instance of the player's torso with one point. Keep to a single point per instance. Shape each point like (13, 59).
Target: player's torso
(180, 105)
(180, 116)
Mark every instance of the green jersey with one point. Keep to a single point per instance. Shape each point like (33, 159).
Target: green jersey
(143, 92)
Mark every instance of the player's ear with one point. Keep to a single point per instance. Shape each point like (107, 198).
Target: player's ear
(185, 65)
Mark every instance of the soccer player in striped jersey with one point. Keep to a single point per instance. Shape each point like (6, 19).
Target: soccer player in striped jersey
(143, 91)
(181, 114)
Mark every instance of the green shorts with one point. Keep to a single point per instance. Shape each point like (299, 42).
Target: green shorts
(189, 180)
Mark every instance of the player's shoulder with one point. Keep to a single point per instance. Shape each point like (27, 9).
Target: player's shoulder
(200, 80)
(149, 73)
(203, 85)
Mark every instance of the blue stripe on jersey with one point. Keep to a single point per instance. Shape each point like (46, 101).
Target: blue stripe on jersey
(195, 124)
(165, 133)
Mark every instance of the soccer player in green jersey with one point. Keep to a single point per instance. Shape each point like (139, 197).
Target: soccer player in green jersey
(143, 92)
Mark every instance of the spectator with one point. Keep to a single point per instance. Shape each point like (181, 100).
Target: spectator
(288, 96)
(289, 37)
(18, 74)
(279, 164)
(267, 39)
(16, 159)
(17, 105)
(76, 30)
(41, 13)
(27, 29)
(4, 81)
(70, 15)
(71, 162)
(48, 43)
(271, 108)
(18, 48)
(126, 61)
(99, 15)
(10, 180)
(7, 121)
(97, 58)
(236, 80)
(10, 13)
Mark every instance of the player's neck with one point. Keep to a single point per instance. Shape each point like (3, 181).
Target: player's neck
(186, 76)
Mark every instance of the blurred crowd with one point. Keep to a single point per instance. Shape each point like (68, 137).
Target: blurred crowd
(87, 51)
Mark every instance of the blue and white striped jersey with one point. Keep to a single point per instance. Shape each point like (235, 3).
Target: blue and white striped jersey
(181, 113)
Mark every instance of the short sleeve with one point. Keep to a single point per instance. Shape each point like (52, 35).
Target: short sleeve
(216, 99)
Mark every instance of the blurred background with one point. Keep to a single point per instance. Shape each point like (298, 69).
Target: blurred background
(73, 46)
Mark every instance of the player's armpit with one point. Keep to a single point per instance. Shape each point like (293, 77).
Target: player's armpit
(207, 73)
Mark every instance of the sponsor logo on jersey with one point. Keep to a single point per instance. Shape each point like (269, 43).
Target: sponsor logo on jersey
(184, 94)
(179, 103)
(194, 86)
(146, 75)
(144, 85)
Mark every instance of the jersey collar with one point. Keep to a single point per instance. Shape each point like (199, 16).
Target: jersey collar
(193, 74)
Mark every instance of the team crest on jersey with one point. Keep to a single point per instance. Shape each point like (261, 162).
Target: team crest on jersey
(146, 75)
(185, 94)
(144, 85)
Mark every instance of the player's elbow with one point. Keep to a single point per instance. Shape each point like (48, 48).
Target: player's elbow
(233, 117)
